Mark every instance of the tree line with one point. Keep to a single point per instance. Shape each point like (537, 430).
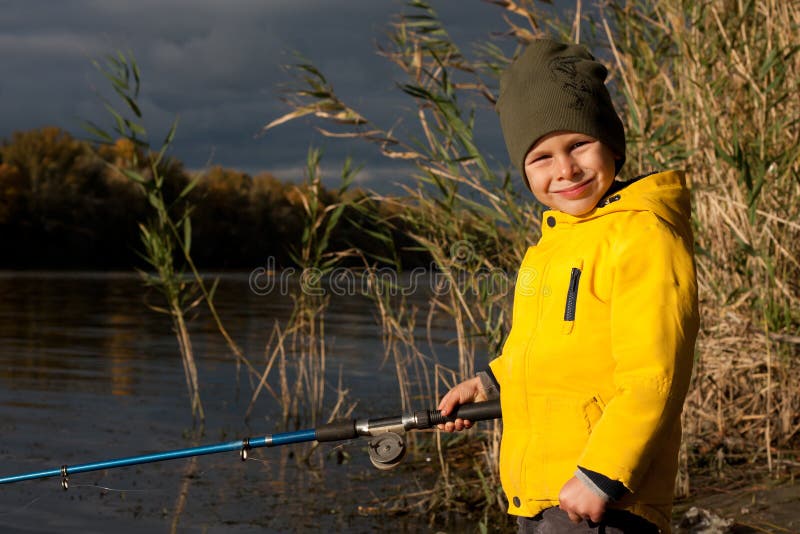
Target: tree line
(65, 203)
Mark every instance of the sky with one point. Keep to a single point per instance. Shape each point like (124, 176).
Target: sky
(218, 65)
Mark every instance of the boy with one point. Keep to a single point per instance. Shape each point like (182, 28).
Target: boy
(594, 372)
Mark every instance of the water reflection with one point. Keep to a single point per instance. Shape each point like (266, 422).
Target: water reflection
(71, 332)
(119, 349)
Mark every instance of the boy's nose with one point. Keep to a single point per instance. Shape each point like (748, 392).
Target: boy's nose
(567, 168)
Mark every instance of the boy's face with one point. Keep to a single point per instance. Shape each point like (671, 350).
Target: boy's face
(569, 172)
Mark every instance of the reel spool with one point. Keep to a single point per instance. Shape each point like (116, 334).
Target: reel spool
(386, 450)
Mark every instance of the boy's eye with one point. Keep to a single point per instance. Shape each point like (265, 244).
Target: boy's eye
(580, 144)
(537, 159)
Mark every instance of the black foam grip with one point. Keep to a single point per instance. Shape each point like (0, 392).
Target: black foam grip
(338, 430)
(474, 411)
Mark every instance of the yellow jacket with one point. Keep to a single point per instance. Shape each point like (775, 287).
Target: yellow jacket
(597, 364)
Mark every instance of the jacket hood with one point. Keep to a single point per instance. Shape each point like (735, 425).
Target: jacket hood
(663, 193)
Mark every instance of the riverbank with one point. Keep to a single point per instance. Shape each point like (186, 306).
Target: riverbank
(742, 500)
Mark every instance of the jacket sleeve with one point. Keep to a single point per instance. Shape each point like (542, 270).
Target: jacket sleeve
(654, 322)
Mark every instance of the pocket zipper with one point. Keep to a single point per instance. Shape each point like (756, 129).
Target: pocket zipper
(572, 300)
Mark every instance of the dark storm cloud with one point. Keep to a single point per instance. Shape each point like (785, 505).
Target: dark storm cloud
(215, 64)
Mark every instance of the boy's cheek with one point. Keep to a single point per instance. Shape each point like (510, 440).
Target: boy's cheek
(530, 181)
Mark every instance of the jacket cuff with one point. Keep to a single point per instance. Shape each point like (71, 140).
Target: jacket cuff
(489, 384)
(612, 490)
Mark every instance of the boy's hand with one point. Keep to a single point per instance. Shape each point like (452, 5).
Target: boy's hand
(580, 502)
(463, 393)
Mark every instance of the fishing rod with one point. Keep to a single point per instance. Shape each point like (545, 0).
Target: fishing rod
(386, 448)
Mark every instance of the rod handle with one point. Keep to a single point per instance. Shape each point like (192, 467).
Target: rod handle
(336, 431)
(474, 411)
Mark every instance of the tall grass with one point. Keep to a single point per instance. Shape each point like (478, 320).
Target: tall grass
(713, 87)
(299, 345)
(710, 87)
(167, 232)
(298, 349)
(307, 324)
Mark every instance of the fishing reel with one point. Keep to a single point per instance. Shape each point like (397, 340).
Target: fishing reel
(387, 450)
(387, 446)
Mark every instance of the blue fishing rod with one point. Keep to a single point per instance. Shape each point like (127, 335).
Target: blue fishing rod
(386, 448)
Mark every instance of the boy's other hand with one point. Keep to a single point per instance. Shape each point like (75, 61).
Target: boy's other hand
(467, 391)
(580, 502)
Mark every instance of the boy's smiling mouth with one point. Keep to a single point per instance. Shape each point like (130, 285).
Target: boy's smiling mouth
(575, 190)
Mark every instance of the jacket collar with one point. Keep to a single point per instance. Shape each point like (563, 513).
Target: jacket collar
(664, 193)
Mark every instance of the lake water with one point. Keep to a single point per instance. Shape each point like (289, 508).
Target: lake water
(88, 372)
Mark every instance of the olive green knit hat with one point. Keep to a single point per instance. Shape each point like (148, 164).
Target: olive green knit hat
(555, 86)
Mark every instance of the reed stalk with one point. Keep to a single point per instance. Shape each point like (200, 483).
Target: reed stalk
(299, 348)
(167, 235)
(169, 226)
(714, 90)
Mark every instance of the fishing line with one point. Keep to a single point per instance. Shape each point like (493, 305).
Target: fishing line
(21, 508)
(109, 489)
(341, 445)
(118, 490)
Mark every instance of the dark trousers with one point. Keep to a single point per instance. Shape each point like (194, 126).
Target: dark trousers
(555, 521)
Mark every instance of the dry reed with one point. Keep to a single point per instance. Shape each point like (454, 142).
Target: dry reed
(714, 89)
(298, 349)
